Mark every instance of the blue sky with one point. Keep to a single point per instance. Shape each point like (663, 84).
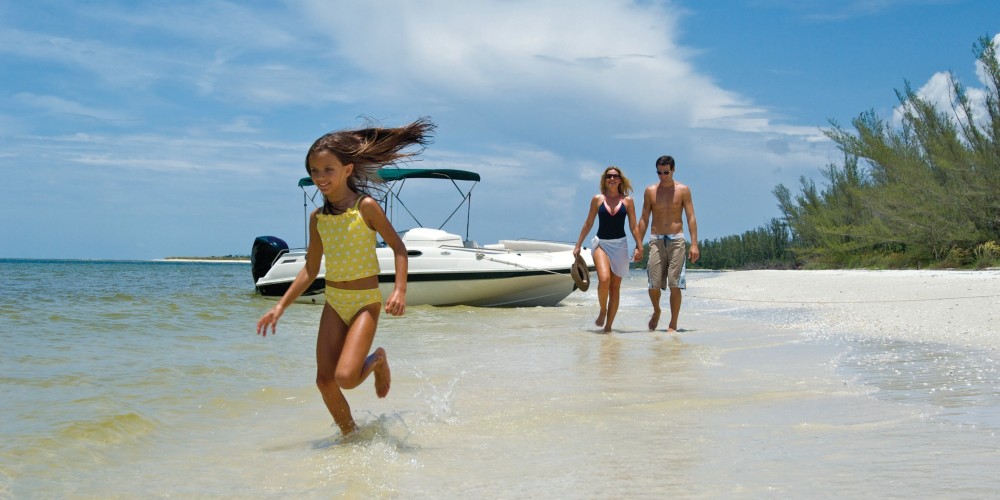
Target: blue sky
(140, 130)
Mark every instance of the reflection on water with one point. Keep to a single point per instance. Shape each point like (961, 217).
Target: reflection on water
(964, 382)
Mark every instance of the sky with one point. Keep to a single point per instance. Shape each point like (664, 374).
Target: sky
(144, 130)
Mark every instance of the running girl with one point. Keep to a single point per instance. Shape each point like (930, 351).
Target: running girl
(344, 165)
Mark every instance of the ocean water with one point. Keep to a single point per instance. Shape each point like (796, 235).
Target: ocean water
(147, 380)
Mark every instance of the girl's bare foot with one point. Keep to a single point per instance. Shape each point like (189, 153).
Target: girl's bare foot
(383, 377)
(600, 318)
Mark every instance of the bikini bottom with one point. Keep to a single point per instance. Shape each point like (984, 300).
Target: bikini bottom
(348, 303)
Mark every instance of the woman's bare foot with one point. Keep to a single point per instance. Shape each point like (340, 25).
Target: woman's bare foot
(600, 318)
(654, 320)
(383, 377)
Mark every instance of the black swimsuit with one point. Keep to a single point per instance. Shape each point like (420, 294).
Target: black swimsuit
(611, 227)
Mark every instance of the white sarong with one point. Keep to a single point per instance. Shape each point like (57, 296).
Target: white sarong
(617, 250)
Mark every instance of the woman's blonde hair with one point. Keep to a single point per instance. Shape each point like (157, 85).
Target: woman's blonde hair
(624, 187)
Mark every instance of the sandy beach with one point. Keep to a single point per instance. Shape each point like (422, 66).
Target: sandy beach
(952, 307)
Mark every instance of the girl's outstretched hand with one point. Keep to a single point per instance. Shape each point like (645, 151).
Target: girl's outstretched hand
(396, 305)
(270, 318)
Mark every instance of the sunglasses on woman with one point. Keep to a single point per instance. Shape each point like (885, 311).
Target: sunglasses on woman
(612, 176)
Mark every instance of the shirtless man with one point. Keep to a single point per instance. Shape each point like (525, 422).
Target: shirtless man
(667, 248)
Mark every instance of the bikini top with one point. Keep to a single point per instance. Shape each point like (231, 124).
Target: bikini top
(611, 226)
(348, 245)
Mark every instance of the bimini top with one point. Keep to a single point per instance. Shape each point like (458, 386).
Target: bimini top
(390, 174)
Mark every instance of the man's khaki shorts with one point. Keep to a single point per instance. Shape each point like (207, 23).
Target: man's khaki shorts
(667, 261)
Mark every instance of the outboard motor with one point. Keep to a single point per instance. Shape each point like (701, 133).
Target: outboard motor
(265, 251)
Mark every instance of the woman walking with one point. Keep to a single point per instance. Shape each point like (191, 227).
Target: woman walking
(611, 207)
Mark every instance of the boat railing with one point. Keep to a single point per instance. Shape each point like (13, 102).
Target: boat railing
(533, 246)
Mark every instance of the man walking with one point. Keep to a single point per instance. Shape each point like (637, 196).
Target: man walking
(667, 201)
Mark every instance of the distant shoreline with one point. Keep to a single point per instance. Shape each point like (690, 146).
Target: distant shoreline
(229, 259)
(210, 260)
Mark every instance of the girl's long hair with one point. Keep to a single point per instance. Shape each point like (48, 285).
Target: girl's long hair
(370, 149)
(625, 186)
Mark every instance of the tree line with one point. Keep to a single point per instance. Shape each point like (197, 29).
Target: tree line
(923, 193)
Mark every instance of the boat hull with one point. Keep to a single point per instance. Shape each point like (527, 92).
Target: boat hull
(443, 269)
(513, 273)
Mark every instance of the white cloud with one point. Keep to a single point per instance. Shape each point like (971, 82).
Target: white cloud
(939, 91)
(538, 97)
(840, 10)
(617, 55)
(58, 105)
(116, 67)
(981, 69)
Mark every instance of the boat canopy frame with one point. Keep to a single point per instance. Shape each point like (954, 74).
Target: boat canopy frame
(389, 196)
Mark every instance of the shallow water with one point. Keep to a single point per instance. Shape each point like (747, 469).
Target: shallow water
(139, 379)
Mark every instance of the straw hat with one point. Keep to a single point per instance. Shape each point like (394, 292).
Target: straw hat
(580, 273)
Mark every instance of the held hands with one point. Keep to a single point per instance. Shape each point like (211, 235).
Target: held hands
(270, 318)
(637, 254)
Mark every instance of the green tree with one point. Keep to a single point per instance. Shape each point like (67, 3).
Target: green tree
(764, 247)
(924, 191)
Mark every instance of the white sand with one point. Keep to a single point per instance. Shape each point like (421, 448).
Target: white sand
(954, 307)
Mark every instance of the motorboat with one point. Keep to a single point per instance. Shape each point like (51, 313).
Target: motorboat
(445, 269)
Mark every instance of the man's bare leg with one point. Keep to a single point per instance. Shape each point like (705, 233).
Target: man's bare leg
(675, 309)
(654, 297)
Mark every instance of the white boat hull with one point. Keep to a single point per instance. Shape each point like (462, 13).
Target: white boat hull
(444, 272)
